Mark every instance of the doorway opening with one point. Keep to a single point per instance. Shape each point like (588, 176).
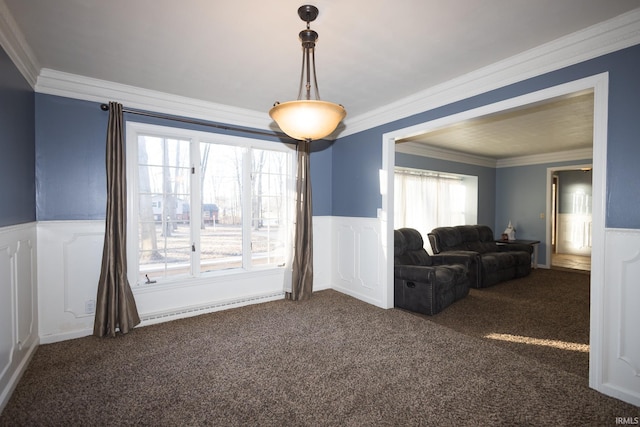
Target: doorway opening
(571, 219)
(599, 85)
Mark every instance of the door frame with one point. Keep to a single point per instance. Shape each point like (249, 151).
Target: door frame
(551, 215)
(599, 83)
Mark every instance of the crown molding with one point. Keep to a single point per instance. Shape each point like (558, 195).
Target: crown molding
(537, 159)
(609, 36)
(13, 42)
(600, 39)
(423, 150)
(68, 85)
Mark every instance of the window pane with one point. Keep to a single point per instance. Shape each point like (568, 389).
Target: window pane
(169, 256)
(268, 219)
(163, 212)
(241, 206)
(425, 200)
(221, 227)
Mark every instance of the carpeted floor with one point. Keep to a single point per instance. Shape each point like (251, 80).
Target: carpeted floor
(544, 316)
(329, 361)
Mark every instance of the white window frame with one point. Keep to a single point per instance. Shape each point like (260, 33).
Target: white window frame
(135, 129)
(470, 183)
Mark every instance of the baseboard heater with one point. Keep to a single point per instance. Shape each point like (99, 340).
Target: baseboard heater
(179, 313)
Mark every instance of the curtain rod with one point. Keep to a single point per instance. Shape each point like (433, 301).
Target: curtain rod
(424, 173)
(105, 107)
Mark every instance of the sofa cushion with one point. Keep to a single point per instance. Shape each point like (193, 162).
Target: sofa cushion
(492, 263)
(419, 284)
(449, 239)
(414, 253)
(399, 248)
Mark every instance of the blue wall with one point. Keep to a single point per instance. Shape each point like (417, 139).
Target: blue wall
(358, 157)
(521, 196)
(321, 168)
(70, 136)
(17, 175)
(70, 159)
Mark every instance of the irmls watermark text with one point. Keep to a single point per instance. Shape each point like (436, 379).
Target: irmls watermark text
(629, 421)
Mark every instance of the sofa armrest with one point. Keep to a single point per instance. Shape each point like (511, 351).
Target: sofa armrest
(417, 273)
(448, 258)
(474, 265)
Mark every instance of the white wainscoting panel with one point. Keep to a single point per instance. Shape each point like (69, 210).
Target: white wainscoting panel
(358, 259)
(347, 257)
(18, 304)
(25, 270)
(7, 308)
(68, 272)
(82, 256)
(621, 315)
(322, 247)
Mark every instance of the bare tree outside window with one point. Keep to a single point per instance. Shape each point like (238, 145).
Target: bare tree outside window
(231, 178)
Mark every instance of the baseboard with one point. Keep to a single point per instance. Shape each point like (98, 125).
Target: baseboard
(184, 312)
(53, 338)
(357, 295)
(17, 375)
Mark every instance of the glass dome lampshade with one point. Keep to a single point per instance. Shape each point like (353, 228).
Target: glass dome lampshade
(308, 119)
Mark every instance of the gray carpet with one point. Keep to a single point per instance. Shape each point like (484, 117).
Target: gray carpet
(332, 360)
(544, 316)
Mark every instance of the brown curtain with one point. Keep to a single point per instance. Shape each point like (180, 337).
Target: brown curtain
(302, 266)
(115, 305)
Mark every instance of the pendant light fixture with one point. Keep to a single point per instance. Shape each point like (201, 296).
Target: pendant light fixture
(307, 119)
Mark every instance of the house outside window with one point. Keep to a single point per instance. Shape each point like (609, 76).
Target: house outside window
(203, 204)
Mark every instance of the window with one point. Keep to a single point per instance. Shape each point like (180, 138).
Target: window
(425, 200)
(203, 203)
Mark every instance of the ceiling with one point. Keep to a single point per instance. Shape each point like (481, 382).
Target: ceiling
(246, 53)
(555, 125)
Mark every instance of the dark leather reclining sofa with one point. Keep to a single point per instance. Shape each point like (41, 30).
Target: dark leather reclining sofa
(490, 262)
(422, 283)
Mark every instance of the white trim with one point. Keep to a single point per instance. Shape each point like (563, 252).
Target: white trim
(600, 39)
(620, 353)
(17, 227)
(13, 42)
(196, 310)
(357, 259)
(548, 213)
(132, 131)
(68, 85)
(21, 368)
(536, 159)
(19, 296)
(417, 149)
(599, 199)
(65, 336)
(599, 84)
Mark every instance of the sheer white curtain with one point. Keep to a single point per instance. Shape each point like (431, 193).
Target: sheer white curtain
(425, 200)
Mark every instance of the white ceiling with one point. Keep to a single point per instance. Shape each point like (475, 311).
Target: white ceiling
(246, 53)
(561, 124)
